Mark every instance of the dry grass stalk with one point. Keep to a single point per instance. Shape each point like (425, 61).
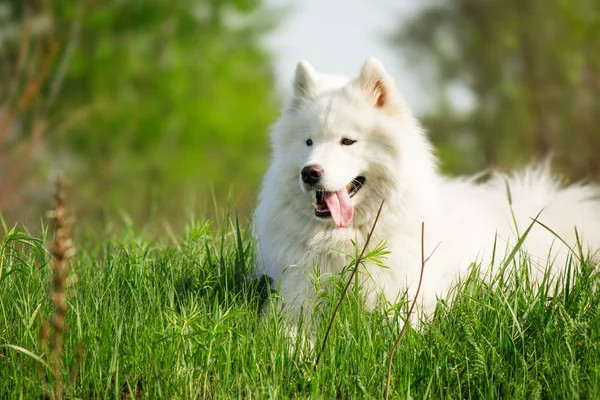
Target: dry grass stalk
(410, 311)
(62, 249)
(356, 266)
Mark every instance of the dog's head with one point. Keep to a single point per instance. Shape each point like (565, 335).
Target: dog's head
(341, 140)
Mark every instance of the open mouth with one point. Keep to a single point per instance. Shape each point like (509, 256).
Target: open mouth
(321, 205)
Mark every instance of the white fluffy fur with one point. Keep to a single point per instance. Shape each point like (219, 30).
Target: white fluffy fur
(395, 156)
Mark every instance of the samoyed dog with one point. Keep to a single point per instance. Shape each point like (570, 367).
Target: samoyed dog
(344, 145)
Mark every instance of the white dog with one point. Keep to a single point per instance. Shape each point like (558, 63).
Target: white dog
(343, 145)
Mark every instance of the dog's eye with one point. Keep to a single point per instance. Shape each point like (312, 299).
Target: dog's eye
(309, 142)
(347, 142)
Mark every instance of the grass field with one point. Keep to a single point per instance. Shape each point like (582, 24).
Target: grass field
(181, 320)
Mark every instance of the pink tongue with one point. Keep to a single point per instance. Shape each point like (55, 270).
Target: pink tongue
(340, 207)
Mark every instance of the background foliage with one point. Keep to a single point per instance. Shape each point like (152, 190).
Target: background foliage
(156, 101)
(531, 71)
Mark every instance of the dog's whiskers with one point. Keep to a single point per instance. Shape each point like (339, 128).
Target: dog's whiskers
(356, 184)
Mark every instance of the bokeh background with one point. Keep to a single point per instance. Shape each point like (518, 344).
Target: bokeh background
(160, 109)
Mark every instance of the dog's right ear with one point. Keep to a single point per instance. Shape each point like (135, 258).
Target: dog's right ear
(304, 83)
(374, 81)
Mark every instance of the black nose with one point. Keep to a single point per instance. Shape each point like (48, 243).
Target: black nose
(312, 174)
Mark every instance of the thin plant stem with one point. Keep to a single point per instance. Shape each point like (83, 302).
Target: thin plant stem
(62, 249)
(356, 265)
(410, 311)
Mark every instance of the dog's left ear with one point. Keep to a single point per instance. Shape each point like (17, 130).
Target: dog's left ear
(304, 83)
(375, 82)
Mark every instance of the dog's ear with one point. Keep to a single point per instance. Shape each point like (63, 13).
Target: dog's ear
(304, 83)
(376, 83)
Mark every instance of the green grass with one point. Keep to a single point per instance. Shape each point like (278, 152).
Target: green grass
(180, 320)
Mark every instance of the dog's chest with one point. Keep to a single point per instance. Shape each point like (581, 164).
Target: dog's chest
(331, 250)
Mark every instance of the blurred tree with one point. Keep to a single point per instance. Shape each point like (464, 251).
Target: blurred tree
(160, 100)
(531, 70)
(164, 95)
(29, 50)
